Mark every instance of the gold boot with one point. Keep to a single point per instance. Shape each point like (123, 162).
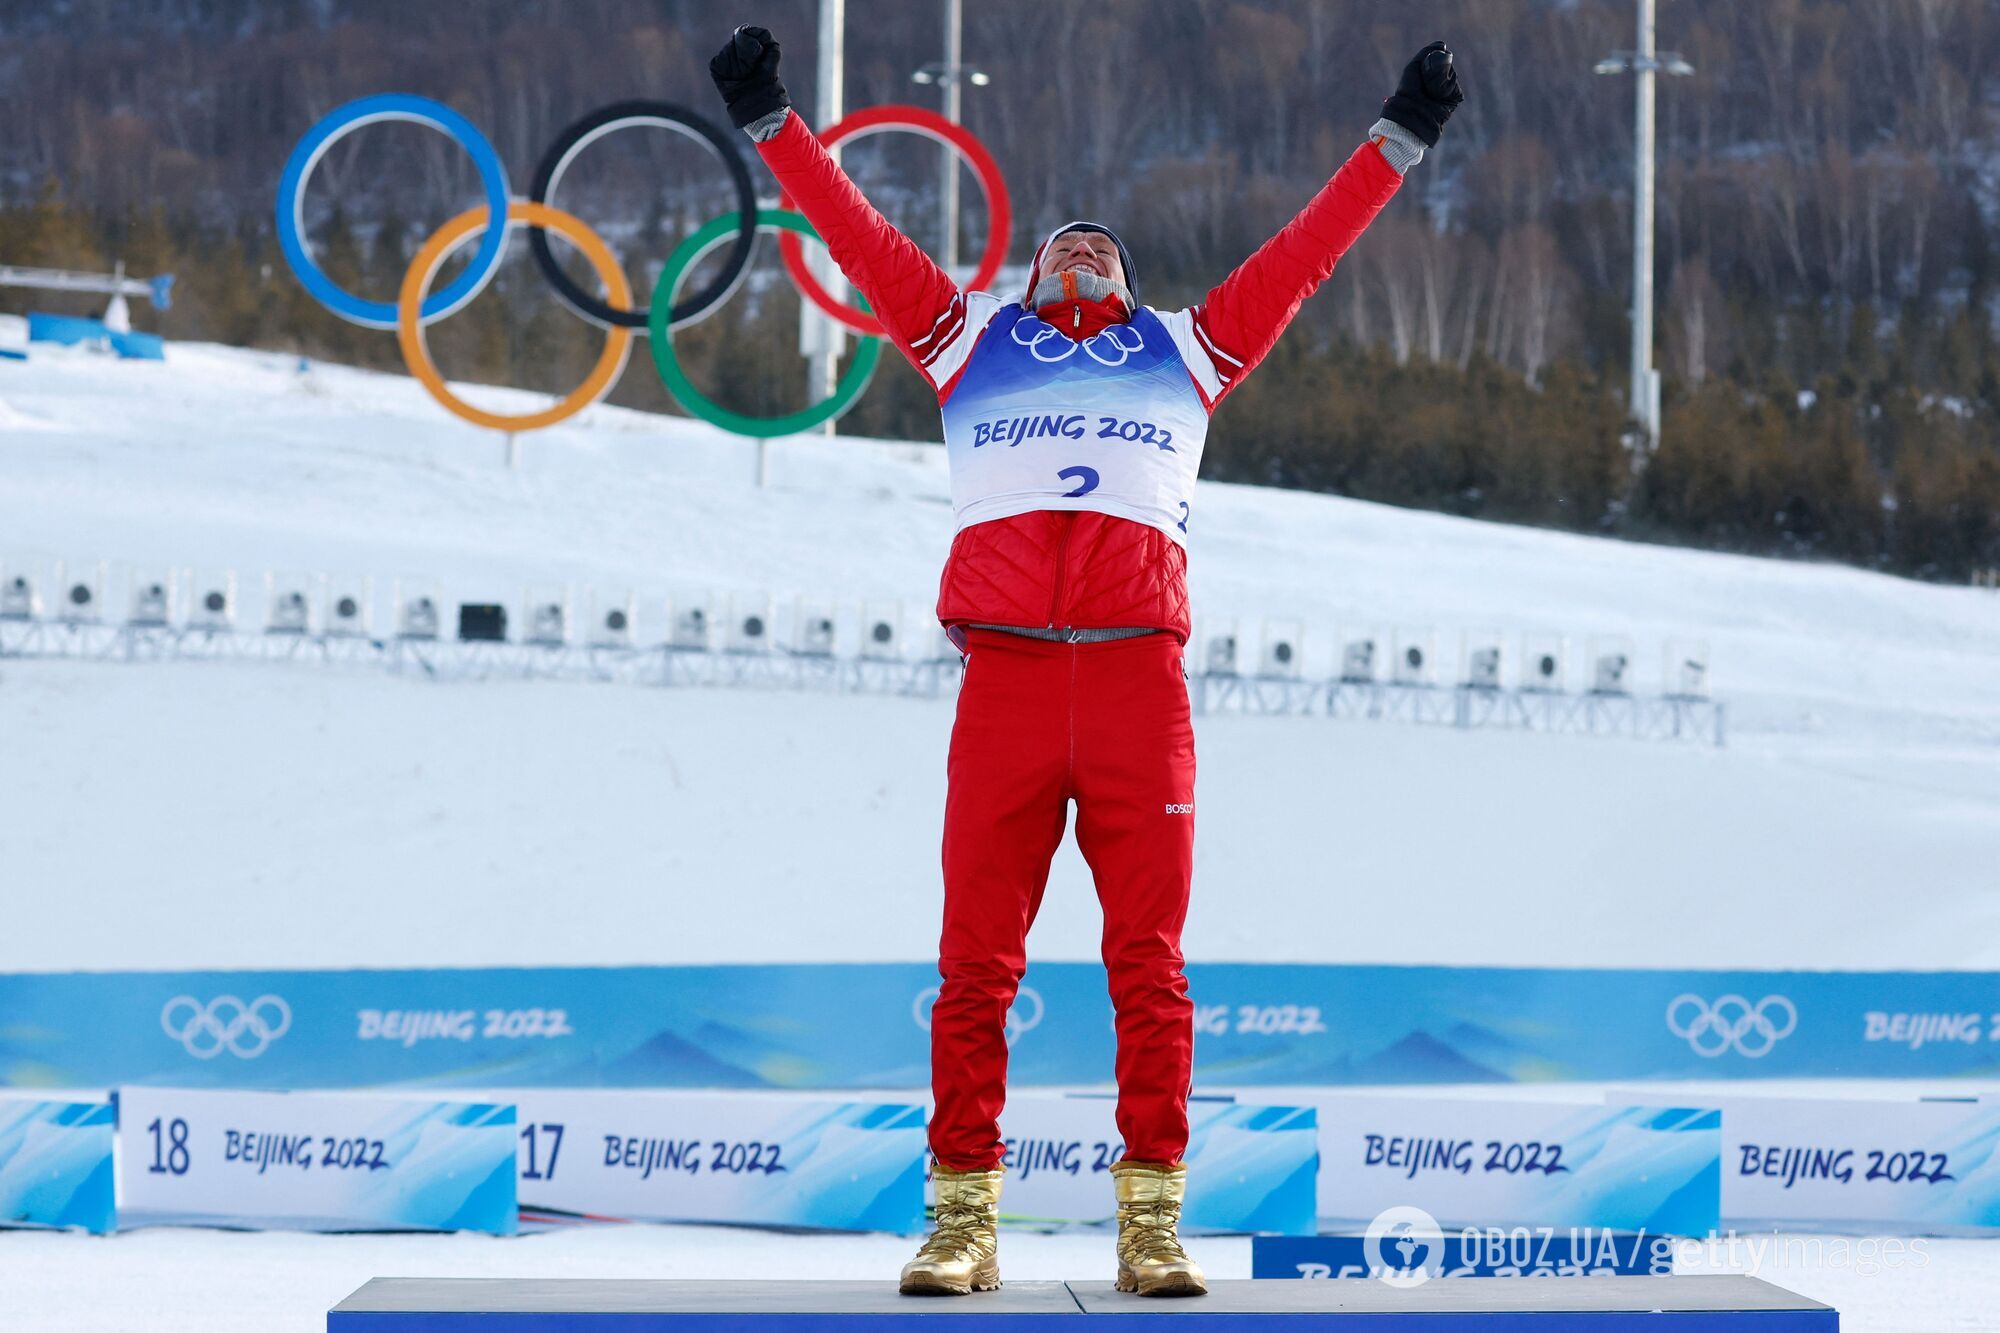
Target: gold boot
(961, 1254)
(1150, 1258)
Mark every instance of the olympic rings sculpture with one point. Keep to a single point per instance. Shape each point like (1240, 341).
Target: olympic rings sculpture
(853, 382)
(955, 138)
(417, 307)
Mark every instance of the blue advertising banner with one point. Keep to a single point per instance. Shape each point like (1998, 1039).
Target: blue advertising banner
(863, 1026)
(1903, 1167)
(314, 1161)
(1516, 1162)
(1256, 1164)
(56, 1164)
(1474, 1252)
(742, 1158)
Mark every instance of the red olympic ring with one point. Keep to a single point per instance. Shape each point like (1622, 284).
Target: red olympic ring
(918, 120)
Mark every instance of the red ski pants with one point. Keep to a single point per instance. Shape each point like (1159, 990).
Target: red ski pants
(1040, 725)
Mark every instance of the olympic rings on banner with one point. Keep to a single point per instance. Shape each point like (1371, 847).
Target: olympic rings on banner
(626, 115)
(853, 382)
(918, 120)
(336, 125)
(410, 329)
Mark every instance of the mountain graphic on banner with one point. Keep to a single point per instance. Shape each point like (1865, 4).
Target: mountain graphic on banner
(1422, 1058)
(670, 1060)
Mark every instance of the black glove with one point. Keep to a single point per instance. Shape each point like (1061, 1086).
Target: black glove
(1427, 94)
(746, 74)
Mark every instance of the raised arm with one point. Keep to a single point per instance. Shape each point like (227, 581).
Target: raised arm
(1240, 319)
(914, 298)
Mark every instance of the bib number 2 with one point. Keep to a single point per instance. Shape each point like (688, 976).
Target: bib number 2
(1086, 480)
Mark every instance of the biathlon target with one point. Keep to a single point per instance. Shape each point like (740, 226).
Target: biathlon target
(628, 115)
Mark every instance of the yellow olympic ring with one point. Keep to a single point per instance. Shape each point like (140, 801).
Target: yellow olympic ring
(455, 233)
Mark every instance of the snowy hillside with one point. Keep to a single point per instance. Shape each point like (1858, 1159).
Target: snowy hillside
(199, 814)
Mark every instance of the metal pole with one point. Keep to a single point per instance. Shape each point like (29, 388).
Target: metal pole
(820, 338)
(954, 31)
(1645, 386)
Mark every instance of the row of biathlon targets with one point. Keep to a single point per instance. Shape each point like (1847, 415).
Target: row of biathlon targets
(333, 606)
(1486, 659)
(343, 607)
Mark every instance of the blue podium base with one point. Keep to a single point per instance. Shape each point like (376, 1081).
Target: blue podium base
(1444, 1305)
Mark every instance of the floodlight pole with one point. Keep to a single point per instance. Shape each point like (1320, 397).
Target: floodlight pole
(820, 337)
(1645, 380)
(951, 76)
(954, 33)
(1646, 62)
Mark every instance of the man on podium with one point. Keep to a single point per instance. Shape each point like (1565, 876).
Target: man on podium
(1074, 418)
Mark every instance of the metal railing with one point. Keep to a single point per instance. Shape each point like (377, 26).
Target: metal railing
(1684, 718)
(1598, 713)
(445, 659)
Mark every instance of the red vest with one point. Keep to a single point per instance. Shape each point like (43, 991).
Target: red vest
(1067, 570)
(1074, 569)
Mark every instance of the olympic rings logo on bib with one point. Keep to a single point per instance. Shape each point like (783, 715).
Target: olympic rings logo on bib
(417, 307)
(1046, 333)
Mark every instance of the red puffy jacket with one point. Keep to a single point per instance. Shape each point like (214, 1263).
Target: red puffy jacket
(1069, 569)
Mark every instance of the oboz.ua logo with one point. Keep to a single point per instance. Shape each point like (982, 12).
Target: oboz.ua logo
(1732, 1023)
(1024, 1013)
(225, 1023)
(1404, 1246)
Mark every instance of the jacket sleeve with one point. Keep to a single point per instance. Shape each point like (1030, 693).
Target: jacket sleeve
(1224, 337)
(919, 305)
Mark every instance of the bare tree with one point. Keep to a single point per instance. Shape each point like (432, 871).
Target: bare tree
(1696, 320)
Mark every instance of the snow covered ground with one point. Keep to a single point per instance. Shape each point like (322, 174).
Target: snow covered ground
(181, 815)
(1853, 820)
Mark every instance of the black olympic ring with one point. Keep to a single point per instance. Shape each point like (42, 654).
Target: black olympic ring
(624, 115)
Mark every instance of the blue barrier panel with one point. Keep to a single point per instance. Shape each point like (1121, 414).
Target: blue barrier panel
(864, 1026)
(1446, 1305)
(69, 330)
(139, 346)
(56, 1164)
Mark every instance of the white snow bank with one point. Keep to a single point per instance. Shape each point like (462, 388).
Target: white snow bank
(196, 815)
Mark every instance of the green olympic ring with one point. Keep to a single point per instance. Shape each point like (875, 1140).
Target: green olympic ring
(853, 382)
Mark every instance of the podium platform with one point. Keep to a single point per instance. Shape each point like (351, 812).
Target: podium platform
(1444, 1305)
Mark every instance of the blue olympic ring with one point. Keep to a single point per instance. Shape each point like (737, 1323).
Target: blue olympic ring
(368, 111)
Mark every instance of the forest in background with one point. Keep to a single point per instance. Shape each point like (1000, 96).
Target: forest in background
(1829, 223)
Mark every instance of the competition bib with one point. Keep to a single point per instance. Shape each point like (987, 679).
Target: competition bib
(1110, 424)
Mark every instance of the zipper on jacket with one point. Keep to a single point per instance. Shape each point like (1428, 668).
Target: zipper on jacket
(1062, 568)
